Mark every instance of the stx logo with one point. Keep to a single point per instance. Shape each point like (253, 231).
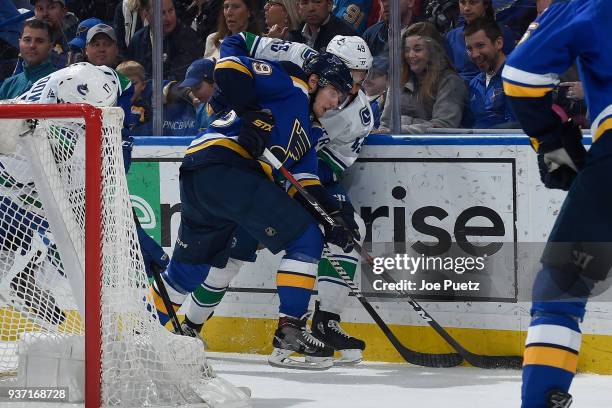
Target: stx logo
(262, 125)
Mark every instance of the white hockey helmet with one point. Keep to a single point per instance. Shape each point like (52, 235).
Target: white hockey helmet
(86, 83)
(352, 50)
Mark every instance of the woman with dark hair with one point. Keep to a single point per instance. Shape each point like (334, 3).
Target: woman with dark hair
(455, 42)
(433, 95)
(235, 16)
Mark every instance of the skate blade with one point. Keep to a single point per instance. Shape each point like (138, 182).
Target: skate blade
(349, 357)
(282, 359)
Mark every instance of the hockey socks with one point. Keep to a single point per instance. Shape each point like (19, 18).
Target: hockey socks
(550, 360)
(294, 281)
(333, 292)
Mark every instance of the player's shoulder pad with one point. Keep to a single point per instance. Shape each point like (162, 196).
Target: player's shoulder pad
(240, 64)
(293, 70)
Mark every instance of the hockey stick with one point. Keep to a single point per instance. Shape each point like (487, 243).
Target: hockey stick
(411, 356)
(477, 360)
(163, 293)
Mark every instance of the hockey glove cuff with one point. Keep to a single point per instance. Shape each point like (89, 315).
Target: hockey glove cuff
(255, 131)
(345, 230)
(558, 167)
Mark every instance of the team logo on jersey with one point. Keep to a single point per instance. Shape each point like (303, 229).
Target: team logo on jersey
(298, 144)
(82, 89)
(262, 68)
(365, 115)
(270, 231)
(307, 53)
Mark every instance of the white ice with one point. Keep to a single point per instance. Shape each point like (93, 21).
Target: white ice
(383, 385)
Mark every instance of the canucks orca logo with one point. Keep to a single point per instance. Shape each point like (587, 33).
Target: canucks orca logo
(365, 115)
(82, 89)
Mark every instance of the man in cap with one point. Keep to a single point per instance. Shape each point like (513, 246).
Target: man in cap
(63, 24)
(76, 52)
(199, 79)
(101, 46)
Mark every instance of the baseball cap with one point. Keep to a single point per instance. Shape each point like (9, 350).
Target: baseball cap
(199, 70)
(101, 29)
(81, 33)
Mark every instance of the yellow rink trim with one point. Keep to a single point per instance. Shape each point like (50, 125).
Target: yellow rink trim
(252, 335)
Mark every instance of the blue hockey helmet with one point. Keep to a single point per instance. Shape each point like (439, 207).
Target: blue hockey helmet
(331, 71)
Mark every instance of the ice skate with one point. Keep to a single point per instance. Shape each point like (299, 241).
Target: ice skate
(292, 337)
(326, 327)
(559, 399)
(193, 330)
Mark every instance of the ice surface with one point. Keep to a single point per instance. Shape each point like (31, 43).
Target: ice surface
(383, 385)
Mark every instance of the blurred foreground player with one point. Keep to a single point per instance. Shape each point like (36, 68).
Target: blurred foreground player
(578, 253)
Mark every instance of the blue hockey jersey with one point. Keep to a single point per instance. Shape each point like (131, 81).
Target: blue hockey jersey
(567, 31)
(274, 87)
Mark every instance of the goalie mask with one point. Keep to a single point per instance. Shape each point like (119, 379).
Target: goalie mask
(352, 50)
(86, 83)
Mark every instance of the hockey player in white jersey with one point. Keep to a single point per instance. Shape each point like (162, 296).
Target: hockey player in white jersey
(26, 244)
(346, 130)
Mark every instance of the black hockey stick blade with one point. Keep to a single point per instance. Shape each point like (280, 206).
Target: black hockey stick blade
(411, 356)
(477, 360)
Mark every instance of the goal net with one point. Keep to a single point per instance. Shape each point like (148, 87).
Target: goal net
(75, 309)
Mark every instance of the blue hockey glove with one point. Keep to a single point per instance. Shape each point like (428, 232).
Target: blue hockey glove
(560, 164)
(346, 232)
(255, 131)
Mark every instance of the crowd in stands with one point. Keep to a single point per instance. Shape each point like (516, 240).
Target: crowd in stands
(452, 52)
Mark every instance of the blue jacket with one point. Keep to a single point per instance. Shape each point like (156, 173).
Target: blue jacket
(488, 107)
(455, 43)
(179, 117)
(18, 84)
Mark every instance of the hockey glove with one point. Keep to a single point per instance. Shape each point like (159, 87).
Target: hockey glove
(255, 131)
(346, 231)
(559, 165)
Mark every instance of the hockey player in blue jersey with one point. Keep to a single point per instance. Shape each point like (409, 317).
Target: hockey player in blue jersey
(578, 253)
(344, 132)
(231, 202)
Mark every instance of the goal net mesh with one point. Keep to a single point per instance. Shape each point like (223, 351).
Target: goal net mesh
(42, 290)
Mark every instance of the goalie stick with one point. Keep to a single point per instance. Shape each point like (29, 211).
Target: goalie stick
(424, 359)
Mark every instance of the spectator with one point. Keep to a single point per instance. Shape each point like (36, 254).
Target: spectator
(377, 36)
(76, 46)
(359, 14)
(203, 16)
(101, 47)
(433, 95)
(281, 17)
(137, 76)
(199, 79)
(470, 10)
(179, 104)
(35, 48)
(237, 16)
(488, 107)
(319, 26)
(127, 20)
(181, 44)
(375, 86)
(63, 26)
